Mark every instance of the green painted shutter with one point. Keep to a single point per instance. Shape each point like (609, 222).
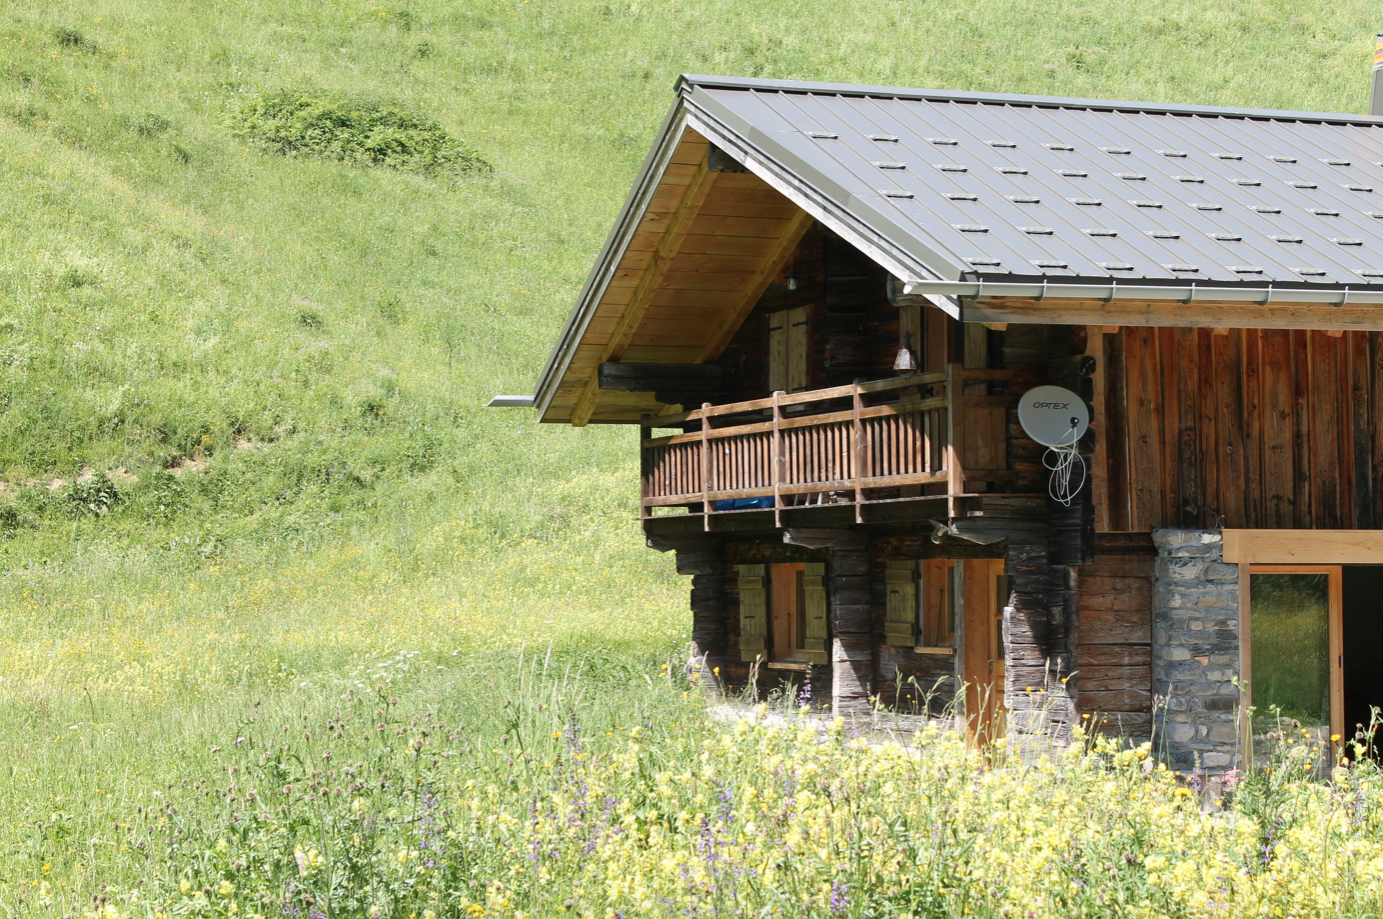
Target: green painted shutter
(901, 581)
(814, 594)
(753, 612)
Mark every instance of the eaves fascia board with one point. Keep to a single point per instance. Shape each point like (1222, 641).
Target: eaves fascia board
(948, 95)
(871, 227)
(611, 254)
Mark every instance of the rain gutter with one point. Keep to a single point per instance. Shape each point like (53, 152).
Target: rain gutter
(1189, 293)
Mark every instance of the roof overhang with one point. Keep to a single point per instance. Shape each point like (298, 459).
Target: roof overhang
(694, 247)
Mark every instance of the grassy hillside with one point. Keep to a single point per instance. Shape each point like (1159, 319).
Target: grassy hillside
(242, 391)
(242, 442)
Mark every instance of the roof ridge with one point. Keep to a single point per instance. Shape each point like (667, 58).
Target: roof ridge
(686, 81)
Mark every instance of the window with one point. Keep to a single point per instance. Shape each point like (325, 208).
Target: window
(788, 597)
(1295, 648)
(783, 612)
(787, 350)
(921, 604)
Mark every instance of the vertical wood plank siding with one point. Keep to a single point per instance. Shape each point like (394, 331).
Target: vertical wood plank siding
(1253, 428)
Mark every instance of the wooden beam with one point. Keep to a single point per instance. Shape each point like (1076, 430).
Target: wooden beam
(1304, 547)
(754, 288)
(1175, 313)
(678, 227)
(819, 538)
(641, 377)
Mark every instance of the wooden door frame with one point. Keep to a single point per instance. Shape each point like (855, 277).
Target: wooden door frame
(1335, 626)
(1303, 547)
(978, 597)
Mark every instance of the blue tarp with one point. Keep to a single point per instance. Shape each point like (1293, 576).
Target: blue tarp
(740, 504)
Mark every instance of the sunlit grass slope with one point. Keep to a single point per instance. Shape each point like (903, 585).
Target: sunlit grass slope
(241, 430)
(242, 446)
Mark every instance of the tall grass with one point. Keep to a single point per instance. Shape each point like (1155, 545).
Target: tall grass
(242, 452)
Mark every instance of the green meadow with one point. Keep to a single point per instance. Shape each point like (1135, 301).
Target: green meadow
(245, 467)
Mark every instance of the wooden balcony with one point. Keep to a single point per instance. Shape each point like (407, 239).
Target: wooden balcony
(928, 436)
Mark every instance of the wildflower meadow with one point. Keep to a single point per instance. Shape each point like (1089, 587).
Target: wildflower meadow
(538, 787)
(292, 626)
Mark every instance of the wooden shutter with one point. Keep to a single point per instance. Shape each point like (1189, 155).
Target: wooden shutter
(938, 603)
(910, 332)
(814, 599)
(900, 579)
(778, 352)
(787, 350)
(753, 612)
(797, 349)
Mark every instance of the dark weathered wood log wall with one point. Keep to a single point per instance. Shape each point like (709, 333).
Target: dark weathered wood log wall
(1250, 428)
(1114, 657)
(852, 636)
(702, 560)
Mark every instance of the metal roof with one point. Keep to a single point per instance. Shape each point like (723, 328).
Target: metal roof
(941, 187)
(973, 186)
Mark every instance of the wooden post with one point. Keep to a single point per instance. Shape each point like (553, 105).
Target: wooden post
(955, 428)
(776, 460)
(643, 467)
(857, 463)
(1245, 669)
(1099, 462)
(852, 635)
(706, 465)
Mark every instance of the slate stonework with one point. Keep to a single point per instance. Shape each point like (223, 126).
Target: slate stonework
(1195, 651)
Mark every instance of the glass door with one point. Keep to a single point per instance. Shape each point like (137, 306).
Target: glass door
(1292, 662)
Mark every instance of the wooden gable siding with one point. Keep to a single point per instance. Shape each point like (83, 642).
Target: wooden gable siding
(1114, 649)
(1241, 428)
(853, 330)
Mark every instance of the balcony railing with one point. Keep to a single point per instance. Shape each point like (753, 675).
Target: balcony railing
(844, 445)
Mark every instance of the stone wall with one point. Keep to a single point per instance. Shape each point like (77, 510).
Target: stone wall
(1195, 651)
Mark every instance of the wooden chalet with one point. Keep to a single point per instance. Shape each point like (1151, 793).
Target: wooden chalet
(820, 307)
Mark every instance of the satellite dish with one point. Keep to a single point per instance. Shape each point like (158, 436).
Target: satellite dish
(1053, 416)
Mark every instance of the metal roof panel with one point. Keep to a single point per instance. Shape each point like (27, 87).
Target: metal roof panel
(956, 182)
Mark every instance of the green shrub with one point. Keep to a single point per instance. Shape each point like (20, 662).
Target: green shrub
(94, 496)
(71, 38)
(151, 124)
(309, 316)
(353, 129)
